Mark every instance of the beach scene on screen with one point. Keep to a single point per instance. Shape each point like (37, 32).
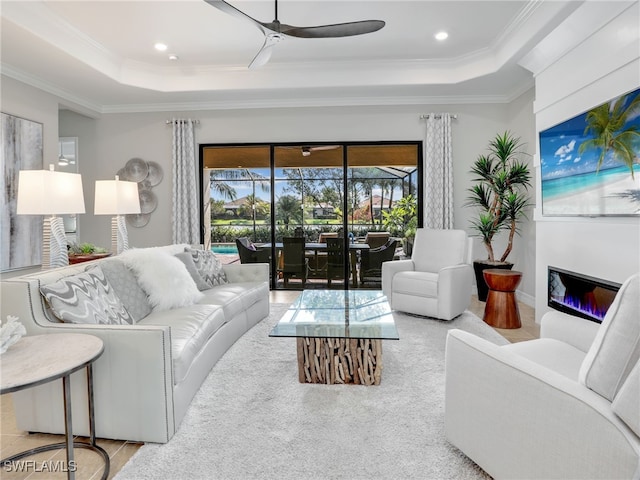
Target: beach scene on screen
(590, 164)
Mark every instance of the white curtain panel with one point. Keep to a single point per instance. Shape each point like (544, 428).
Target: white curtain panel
(438, 172)
(186, 217)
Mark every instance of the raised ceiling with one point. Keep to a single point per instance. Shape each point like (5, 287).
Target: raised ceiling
(100, 55)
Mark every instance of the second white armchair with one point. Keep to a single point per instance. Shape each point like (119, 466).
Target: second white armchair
(437, 281)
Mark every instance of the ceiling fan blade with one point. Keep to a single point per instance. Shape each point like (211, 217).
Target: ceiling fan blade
(231, 10)
(332, 31)
(264, 54)
(324, 147)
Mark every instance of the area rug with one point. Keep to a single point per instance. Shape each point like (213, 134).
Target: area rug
(253, 420)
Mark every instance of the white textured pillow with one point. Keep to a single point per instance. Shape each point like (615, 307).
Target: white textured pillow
(616, 348)
(165, 278)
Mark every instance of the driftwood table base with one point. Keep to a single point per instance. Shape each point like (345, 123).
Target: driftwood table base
(339, 360)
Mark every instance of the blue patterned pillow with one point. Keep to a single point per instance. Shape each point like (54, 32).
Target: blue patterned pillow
(86, 298)
(209, 266)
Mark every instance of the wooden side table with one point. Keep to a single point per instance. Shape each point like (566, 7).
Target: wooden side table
(38, 359)
(501, 309)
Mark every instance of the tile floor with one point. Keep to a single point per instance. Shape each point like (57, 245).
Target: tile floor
(90, 465)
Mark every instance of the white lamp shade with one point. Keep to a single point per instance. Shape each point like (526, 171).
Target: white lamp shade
(47, 192)
(116, 197)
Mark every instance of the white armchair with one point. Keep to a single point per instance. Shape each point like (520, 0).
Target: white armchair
(437, 281)
(565, 406)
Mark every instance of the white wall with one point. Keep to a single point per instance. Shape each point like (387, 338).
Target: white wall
(603, 66)
(110, 140)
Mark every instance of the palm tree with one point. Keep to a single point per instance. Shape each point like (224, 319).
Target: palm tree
(500, 194)
(607, 125)
(288, 210)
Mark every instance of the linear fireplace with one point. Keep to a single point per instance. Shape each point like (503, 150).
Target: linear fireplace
(580, 295)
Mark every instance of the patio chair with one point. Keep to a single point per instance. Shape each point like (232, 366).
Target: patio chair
(371, 261)
(318, 259)
(335, 259)
(294, 262)
(376, 239)
(250, 254)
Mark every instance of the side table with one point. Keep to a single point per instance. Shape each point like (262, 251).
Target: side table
(501, 309)
(38, 359)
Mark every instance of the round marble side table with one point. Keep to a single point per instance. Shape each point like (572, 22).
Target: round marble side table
(501, 309)
(38, 359)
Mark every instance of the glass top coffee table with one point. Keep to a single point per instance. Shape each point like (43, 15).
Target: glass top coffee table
(339, 335)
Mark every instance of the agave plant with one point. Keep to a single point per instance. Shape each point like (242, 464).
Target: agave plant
(501, 192)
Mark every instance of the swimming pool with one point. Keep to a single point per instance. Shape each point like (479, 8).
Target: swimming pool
(224, 248)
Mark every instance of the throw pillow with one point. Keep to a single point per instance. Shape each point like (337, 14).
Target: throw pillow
(163, 277)
(126, 288)
(209, 266)
(87, 297)
(187, 259)
(616, 348)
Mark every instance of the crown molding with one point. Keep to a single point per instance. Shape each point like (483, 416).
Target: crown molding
(11, 72)
(264, 103)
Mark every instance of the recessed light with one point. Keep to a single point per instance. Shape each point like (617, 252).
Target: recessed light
(161, 47)
(440, 36)
(173, 57)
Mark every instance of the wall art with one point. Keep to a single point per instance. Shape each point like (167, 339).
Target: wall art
(21, 235)
(147, 175)
(590, 164)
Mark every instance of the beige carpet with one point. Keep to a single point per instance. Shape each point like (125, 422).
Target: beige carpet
(253, 420)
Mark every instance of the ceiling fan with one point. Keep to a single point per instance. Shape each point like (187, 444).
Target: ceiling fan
(275, 31)
(306, 150)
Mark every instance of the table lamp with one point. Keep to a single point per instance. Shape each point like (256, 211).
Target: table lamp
(117, 197)
(47, 192)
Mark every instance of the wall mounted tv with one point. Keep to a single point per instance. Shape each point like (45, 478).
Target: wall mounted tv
(590, 164)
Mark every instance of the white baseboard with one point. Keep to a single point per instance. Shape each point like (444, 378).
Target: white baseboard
(526, 298)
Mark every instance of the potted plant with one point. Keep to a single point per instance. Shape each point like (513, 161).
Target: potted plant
(402, 221)
(501, 198)
(85, 251)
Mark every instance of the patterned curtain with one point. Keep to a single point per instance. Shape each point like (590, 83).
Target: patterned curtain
(186, 216)
(438, 172)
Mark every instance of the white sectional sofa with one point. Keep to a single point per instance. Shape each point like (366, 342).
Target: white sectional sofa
(150, 369)
(564, 406)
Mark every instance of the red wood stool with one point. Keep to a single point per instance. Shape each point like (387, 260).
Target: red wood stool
(501, 309)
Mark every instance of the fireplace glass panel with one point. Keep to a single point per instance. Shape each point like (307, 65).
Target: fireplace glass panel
(580, 295)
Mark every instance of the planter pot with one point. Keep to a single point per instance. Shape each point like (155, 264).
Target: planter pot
(407, 246)
(79, 258)
(478, 267)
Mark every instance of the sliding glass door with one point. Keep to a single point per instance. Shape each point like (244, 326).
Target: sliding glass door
(360, 193)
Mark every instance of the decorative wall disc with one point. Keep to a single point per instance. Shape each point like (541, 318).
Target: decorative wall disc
(147, 175)
(122, 174)
(155, 174)
(138, 219)
(148, 201)
(136, 170)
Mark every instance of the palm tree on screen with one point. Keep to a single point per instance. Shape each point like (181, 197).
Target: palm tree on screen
(607, 125)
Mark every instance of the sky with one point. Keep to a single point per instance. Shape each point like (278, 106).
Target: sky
(559, 147)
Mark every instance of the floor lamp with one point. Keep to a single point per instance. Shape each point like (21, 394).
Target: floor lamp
(117, 197)
(47, 192)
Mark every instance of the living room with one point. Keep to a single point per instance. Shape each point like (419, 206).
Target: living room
(597, 62)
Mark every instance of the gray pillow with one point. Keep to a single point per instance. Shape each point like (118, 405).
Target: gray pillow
(187, 259)
(126, 287)
(209, 266)
(86, 298)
